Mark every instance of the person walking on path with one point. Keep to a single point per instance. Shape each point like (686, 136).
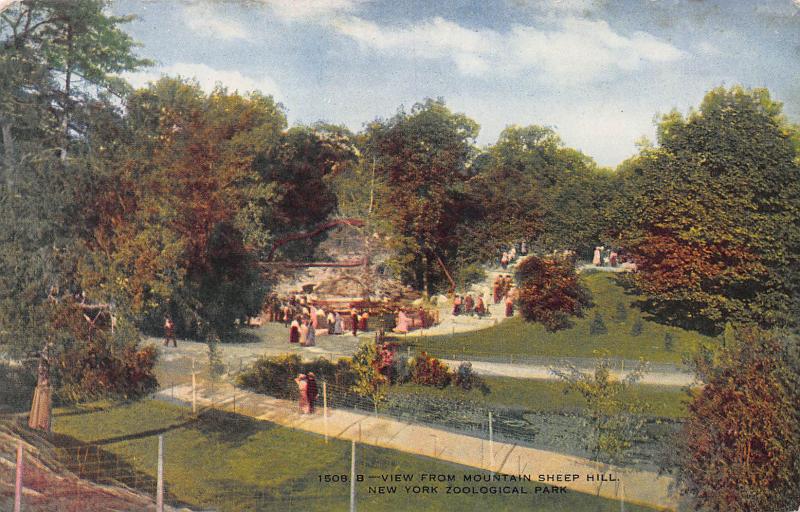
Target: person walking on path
(311, 391)
(331, 322)
(302, 389)
(169, 332)
(304, 329)
(294, 331)
(469, 304)
(311, 336)
(596, 258)
(480, 307)
(510, 304)
(496, 289)
(363, 321)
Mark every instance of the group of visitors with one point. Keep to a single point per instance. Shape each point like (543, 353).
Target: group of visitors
(507, 257)
(303, 328)
(503, 290)
(308, 393)
(467, 305)
(605, 257)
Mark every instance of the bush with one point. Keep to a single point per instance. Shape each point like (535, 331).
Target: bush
(470, 274)
(669, 341)
(429, 371)
(598, 325)
(275, 375)
(637, 327)
(550, 292)
(466, 378)
(621, 314)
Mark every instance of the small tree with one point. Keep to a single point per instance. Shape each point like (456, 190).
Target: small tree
(370, 382)
(614, 420)
(550, 292)
(637, 327)
(669, 341)
(621, 313)
(598, 325)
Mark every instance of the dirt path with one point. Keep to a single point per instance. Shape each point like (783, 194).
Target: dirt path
(641, 487)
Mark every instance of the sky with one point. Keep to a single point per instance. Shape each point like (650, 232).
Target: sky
(599, 72)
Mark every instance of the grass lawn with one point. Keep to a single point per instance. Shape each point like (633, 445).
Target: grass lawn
(518, 337)
(549, 396)
(234, 463)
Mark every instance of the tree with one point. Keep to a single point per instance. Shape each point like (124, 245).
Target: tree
(717, 230)
(369, 382)
(424, 157)
(550, 292)
(614, 419)
(738, 451)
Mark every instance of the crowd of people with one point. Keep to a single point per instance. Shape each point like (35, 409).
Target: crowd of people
(508, 257)
(467, 305)
(605, 257)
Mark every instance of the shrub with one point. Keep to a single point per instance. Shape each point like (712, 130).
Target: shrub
(275, 375)
(598, 325)
(669, 341)
(621, 314)
(466, 378)
(471, 274)
(429, 371)
(550, 292)
(637, 327)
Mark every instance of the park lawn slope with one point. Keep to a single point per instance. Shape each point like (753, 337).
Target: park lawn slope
(516, 337)
(235, 463)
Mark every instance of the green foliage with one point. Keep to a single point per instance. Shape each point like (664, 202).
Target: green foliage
(274, 376)
(669, 342)
(638, 326)
(738, 451)
(621, 313)
(715, 230)
(466, 378)
(369, 381)
(598, 325)
(614, 422)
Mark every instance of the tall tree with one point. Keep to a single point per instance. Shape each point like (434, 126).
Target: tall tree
(717, 227)
(424, 156)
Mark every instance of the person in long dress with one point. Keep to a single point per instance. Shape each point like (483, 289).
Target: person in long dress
(313, 315)
(510, 304)
(596, 258)
(302, 388)
(304, 332)
(294, 331)
(497, 288)
(331, 322)
(311, 336)
(311, 391)
(337, 324)
(354, 321)
(363, 322)
(402, 323)
(480, 307)
(469, 304)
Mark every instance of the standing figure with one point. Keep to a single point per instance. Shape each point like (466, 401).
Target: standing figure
(286, 315)
(311, 391)
(596, 258)
(469, 303)
(613, 258)
(337, 324)
(423, 318)
(496, 289)
(313, 314)
(169, 332)
(331, 322)
(504, 260)
(363, 322)
(311, 336)
(402, 323)
(510, 304)
(294, 332)
(523, 248)
(480, 307)
(302, 389)
(354, 321)
(304, 329)
(456, 305)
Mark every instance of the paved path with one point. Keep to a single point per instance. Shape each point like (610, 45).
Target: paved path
(641, 487)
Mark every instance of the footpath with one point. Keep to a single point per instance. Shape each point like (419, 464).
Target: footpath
(631, 486)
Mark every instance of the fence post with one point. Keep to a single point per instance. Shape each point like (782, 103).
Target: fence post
(491, 444)
(621, 496)
(234, 401)
(160, 480)
(194, 391)
(18, 485)
(353, 476)
(325, 407)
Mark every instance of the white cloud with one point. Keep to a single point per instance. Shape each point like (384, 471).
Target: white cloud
(208, 77)
(209, 22)
(312, 10)
(572, 51)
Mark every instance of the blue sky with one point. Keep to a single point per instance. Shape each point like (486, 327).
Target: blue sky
(596, 71)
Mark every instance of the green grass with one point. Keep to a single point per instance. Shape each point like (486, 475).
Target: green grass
(518, 337)
(549, 396)
(234, 463)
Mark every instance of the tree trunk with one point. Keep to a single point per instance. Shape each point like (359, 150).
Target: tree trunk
(8, 155)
